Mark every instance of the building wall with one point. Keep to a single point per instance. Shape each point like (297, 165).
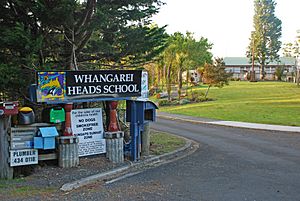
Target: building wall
(193, 75)
(240, 72)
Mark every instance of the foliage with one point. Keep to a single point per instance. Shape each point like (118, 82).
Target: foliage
(264, 41)
(196, 96)
(215, 74)
(183, 52)
(279, 72)
(293, 50)
(163, 102)
(69, 34)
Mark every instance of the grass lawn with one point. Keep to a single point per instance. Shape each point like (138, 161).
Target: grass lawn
(161, 143)
(257, 102)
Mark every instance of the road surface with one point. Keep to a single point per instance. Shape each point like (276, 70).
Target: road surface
(231, 164)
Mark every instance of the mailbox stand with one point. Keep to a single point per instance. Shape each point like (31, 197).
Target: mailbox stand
(6, 110)
(138, 112)
(135, 128)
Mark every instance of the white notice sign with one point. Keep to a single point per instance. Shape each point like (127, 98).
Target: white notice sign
(144, 91)
(23, 157)
(87, 125)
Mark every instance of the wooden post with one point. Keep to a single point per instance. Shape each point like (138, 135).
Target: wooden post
(68, 129)
(6, 172)
(113, 124)
(146, 140)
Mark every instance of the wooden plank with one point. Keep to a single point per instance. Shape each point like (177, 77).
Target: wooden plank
(44, 157)
(22, 138)
(6, 172)
(22, 145)
(37, 125)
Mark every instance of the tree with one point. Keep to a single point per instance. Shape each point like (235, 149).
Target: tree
(215, 74)
(279, 72)
(182, 53)
(264, 40)
(199, 54)
(293, 50)
(181, 43)
(71, 35)
(169, 56)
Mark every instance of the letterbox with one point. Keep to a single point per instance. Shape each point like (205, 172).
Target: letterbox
(45, 138)
(145, 111)
(150, 111)
(53, 114)
(26, 116)
(9, 108)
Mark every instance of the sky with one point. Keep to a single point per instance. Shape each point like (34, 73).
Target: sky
(226, 23)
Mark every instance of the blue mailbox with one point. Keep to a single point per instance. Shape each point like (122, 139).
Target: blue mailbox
(142, 111)
(45, 138)
(137, 113)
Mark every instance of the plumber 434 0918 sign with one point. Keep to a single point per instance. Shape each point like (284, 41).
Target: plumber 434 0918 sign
(88, 127)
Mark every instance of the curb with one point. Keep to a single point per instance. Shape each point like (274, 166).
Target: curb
(189, 148)
(183, 119)
(227, 124)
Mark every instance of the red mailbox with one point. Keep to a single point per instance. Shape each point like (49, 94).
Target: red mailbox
(9, 108)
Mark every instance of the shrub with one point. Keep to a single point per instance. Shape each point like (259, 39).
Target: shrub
(184, 101)
(163, 102)
(195, 96)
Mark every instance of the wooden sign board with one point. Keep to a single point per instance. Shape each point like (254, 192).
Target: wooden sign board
(22, 138)
(74, 85)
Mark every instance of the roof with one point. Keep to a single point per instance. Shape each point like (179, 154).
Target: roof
(48, 131)
(244, 61)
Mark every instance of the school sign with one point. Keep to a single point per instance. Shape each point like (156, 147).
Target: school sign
(72, 85)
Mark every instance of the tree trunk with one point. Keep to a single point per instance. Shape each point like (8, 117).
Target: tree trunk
(206, 93)
(262, 71)
(158, 77)
(164, 77)
(187, 80)
(179, 82)
(298, 77)
(169, 81)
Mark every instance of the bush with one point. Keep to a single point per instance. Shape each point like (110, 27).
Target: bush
(236, 79)
(184, 101)
(163, 102)
(195, 96)
(174, 102)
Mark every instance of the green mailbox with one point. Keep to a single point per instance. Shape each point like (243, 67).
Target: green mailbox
(53, 114)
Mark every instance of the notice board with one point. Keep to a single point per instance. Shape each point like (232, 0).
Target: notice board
(87, 125)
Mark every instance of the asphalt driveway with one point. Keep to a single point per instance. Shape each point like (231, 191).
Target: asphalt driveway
(231, 164)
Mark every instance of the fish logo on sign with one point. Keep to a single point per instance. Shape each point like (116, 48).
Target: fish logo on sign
(52, 85)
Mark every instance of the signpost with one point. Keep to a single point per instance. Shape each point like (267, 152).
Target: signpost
(91, 86)
(70, 86)
(144, 86)
(23, 157)
(87, 125)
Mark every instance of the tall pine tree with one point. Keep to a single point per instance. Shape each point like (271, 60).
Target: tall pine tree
(264, 40)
